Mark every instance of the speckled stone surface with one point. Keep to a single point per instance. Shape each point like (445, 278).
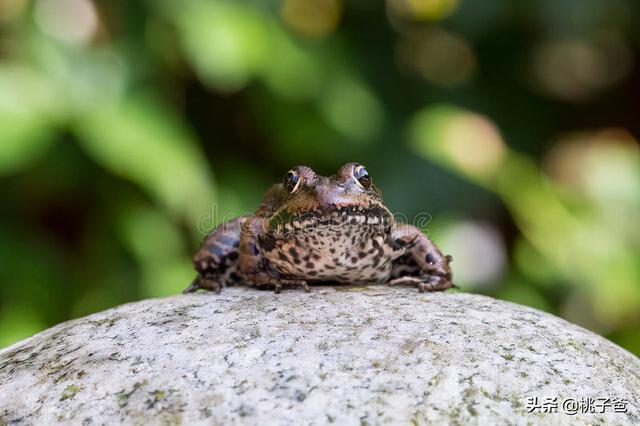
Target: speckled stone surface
(367, 355)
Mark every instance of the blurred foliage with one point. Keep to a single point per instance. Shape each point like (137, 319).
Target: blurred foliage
(129, 128)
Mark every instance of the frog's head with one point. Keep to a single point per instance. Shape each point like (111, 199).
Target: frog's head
(351, 188)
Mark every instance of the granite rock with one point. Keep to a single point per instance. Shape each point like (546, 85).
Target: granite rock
(343, 355)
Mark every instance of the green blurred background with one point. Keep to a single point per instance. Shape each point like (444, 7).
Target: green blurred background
(127, 127)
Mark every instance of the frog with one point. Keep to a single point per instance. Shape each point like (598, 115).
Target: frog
(312, 229)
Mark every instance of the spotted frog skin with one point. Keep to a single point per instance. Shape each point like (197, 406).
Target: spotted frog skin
(312, 229)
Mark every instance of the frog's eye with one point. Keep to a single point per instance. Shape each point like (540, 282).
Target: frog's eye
(361, 176)
(291, 181)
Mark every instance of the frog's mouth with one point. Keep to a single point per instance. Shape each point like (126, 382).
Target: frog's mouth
(373, 218)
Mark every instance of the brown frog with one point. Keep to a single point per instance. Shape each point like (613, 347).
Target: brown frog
(311, 229)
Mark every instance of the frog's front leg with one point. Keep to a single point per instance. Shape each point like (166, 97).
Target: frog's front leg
(418, 261)
(217, 260)
(254, 268)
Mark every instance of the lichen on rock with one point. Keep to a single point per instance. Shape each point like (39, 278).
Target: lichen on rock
(373, 356)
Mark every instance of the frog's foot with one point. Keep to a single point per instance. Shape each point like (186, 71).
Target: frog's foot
(205, 283)
(276, 282)
(279, 284)
(426, 283)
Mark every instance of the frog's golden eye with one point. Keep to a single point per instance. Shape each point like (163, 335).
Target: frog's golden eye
(361, 176)
(291, 181)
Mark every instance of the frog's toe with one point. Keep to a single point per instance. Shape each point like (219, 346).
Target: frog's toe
(427, 283)
(204, 283)
(193, 287)
(412, 281)
(280, 284)
(436, 283)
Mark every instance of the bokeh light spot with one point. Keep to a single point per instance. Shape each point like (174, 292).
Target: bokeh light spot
(468, 141)
(478, 251)
(576, 69)
(316, 18)
(430, 10)
(297, 74)
(227, 43)
(441, 57)
(352, 109)
(72, 21)
(11, 10)
(602, 165)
